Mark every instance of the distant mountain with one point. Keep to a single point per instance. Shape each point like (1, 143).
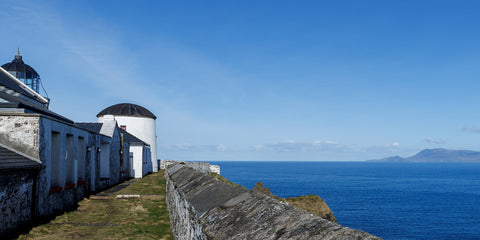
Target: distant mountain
(436, 155)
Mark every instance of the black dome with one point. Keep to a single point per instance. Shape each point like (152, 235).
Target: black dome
(17, 65)
(127, 109)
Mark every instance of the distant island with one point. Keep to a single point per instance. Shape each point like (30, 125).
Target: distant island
(436, 155)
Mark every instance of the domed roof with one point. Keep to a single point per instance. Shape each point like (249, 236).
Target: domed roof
(17, 65)
(126, 109)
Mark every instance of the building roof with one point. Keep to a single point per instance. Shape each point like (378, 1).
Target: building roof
(10, 101)
(92, 127)
(127, 109)
(96, 128)
(17, 65)
(130, 138)
(10, 159)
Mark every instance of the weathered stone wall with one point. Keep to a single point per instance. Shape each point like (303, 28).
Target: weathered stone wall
(59, 184)
(20, 133)
(31, 134)
(51, 202)
(203, 167)
(201, 207)
(16, 199)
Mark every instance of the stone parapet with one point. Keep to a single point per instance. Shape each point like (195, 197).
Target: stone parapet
(201, 207)
(203, 167)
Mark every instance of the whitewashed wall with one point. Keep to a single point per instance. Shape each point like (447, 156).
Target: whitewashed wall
(142, 128)
(138, 168)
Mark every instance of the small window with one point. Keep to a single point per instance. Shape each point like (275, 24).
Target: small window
(105, 160)
(124, 127)
(70, 160)
(81, 159)
(55, 161)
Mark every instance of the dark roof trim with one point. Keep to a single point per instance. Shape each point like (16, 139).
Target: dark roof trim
(91, 127)
(16, 102)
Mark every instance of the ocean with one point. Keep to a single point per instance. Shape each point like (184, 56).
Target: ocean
(389, 200)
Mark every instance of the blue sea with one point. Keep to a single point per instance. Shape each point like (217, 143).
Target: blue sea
(389, 200)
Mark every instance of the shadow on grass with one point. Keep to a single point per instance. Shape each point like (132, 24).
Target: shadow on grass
(35, 222)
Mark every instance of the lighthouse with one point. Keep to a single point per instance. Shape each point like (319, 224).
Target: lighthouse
(23, 72)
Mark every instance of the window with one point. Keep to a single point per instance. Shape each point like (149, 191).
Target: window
(81, 159)
(132, 169)
(55, 161)
(105, 160)
(124, 127)
(70, 161)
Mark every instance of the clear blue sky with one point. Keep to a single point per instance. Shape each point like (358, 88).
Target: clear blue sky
(263, 80)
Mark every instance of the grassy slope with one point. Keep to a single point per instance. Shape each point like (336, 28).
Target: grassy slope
(312, 204)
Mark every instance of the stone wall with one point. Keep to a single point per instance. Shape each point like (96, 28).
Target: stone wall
(16, 199)
(59, 184)
(203, 167)
(201, 207)
(20, 133)
(48, 201)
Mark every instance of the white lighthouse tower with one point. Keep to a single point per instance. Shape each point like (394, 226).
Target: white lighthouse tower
(136, 120)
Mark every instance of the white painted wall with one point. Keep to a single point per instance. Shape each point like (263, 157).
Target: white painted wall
(141, 127)
(137, 152)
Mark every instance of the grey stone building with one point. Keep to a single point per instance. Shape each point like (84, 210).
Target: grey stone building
(47, 162)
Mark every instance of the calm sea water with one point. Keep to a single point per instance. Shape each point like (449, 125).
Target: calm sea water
(390, 200)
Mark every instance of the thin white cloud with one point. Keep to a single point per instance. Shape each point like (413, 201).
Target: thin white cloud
(221, 148)
(293, 146)
(97, 57)
(93, 52)
(435, 141)
(258, 148)
(90, 51)
(187, 147)
(391, 148)
(471, 129)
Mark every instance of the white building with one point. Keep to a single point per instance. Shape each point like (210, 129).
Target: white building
(138, 121)
(139, 155)
(48, 162)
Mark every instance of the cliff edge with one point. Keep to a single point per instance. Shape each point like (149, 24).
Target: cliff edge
(310, 203)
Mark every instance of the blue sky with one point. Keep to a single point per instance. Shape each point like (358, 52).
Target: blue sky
(263, 80)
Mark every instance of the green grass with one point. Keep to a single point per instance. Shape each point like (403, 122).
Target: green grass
(121, 218)
(150, 184)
